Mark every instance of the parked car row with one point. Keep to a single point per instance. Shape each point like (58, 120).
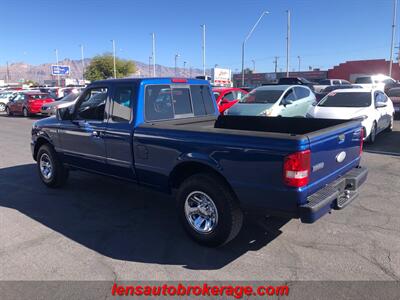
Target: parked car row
(35, 101)
(345, 101)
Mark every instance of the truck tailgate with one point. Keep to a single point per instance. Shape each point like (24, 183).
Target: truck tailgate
(333, 153)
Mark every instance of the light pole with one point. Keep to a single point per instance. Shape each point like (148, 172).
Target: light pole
(254, 65)
(184, 68)
(288, 43)
(247, 37)
(153, 53)
(115, 68)
(58, 67)
(176, 63)
(83, 65)
(299, 58)
(393, 34)
(276, 64)
(204, 48)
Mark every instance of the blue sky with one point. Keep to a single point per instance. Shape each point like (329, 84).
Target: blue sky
(324, 32)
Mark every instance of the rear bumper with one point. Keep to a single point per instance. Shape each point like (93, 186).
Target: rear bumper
(335, 195)
(34, 109)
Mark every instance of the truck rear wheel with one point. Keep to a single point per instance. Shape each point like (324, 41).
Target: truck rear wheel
(51, 171)
(208, 210)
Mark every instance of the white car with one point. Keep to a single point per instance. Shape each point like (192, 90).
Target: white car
(375, 82)
(372, 106)
(274, 101)
(5, 96)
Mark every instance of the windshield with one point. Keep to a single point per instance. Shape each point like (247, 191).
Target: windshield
(262, 96)
(346, 100)
(38, 96)
(70, 97)
(364, 80)
(5, 95)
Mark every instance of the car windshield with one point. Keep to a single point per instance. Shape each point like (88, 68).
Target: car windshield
(262, 96)
(39, 96)
(346, 100)
(70, 97)
(364, 80)
(5, 95)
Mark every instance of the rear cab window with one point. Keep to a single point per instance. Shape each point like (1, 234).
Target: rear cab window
(174, 101)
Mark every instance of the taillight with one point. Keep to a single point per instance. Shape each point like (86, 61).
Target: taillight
(296, 168)
(361, 140)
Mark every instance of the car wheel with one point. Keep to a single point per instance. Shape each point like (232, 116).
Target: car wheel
(25, 112)
(2, 107)
(390, 127)
(372, 135)
(51, 170)
(8, 112)
(209, 210)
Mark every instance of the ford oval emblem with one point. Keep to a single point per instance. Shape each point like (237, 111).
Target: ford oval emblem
(341, 157)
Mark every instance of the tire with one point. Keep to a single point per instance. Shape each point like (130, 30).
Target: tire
(51, 170)
(223, 212)
(25, 112)
(390, 127)
(2, 107)
(372, 135)
(8, 112)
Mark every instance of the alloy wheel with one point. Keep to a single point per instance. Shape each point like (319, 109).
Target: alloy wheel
(201, 212)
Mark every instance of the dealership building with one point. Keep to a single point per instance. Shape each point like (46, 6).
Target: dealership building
(349, 70)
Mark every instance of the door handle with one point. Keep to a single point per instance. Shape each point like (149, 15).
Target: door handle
(96, 134)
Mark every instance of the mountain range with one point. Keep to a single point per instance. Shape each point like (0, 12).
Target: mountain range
(20, 71)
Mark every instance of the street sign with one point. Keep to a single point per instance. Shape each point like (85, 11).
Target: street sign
(59, 70)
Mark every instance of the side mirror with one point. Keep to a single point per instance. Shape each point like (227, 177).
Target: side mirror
(380, 104)
(64, 113)
(286, 102)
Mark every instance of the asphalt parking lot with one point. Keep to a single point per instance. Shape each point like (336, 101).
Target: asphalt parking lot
(97, 228)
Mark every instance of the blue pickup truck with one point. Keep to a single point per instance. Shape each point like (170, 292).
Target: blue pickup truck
(165, 133)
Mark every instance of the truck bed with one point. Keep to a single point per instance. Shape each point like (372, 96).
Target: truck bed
(275, 127)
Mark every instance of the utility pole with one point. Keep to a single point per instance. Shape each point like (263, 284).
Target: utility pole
(83, 65)
(176, 63)
(393, 35)
(398, 54)
(58, 67)
(153, 53)
(8, 74)
(299, 58)
(150, 66)
(288, 44)
(276, 64)
(204, 48)
(254, 65)
(246, 38)
(115, 68)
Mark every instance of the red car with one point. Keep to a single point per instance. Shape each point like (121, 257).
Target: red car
(27, 103)
(227, 97)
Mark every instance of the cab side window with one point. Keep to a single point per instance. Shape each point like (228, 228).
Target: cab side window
(92, 104)
(121, 105)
